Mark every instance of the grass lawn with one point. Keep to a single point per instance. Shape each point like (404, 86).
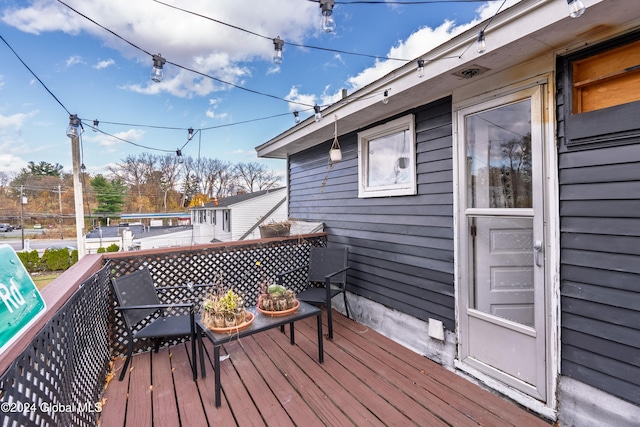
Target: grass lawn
(43, 279)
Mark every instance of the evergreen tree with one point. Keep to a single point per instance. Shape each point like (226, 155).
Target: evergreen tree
(109, 194)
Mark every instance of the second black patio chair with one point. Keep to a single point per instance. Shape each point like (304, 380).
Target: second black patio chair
(327, 277)
(146, 317)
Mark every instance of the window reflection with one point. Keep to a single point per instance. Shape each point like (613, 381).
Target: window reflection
(499, 156)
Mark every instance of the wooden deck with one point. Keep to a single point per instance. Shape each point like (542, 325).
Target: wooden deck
(366, 379)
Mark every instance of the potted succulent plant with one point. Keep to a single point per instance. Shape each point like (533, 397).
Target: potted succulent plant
(224, 310)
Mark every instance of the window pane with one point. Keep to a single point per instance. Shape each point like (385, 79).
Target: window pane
(499, 157)
(388, 161)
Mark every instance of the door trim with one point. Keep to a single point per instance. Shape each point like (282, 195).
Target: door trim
(551, 247)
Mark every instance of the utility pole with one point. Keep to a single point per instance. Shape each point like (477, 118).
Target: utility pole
(22, 214)
(77, 195)
(60, 202)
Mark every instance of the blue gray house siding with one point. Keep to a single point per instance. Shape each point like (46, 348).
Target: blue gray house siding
(401, 248)
(599, 179)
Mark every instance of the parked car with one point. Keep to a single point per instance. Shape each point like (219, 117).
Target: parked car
(5, 227)
(37, 226)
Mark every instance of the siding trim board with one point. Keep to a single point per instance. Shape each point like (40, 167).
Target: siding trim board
(599, 178)
(401, 247)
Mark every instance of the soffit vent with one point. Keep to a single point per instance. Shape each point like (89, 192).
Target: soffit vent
(472, 71)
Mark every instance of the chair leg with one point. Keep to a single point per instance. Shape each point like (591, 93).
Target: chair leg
(127, 360)
(346, 306)
(330, 320)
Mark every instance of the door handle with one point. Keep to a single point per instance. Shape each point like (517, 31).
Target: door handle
(537, 250)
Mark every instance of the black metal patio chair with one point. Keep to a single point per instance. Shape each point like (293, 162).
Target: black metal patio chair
(327, 277)
(146, 317)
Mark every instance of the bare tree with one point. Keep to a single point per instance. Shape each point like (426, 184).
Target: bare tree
(255, 177)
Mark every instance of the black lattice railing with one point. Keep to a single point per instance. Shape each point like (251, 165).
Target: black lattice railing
(232, 265)
(59, 379)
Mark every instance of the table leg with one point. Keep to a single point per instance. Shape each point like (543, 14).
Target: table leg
(203, 371)
(292, 337)
(320, 343)
(216, 365)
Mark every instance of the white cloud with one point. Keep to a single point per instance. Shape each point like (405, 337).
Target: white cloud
(213, 115)
(191, 41)
(15, 121)
(73, 60)
(422, 41)
(132, 135)
(299, 101)
(104, 64)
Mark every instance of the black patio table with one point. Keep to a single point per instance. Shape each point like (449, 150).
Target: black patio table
(261, 322)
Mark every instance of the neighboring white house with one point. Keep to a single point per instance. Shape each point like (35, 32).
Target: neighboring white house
(238, 217)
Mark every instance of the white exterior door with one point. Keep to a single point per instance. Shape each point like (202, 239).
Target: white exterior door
(502, 322)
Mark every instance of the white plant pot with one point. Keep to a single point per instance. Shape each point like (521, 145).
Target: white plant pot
(335, 155)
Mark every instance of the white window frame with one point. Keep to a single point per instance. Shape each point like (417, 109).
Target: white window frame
(406, 123)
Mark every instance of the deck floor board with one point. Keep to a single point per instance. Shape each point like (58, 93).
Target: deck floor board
(366, 379)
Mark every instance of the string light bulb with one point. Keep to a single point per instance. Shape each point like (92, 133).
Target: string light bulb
(190, 133)
(385, 99)
(420, 68)
(482, 44)
(277, 54)
(318, 114)
(156, 71)
(576, 8)
(296, 115)
(95, 125)
(328, 24)
(179, 155)
(74, 130)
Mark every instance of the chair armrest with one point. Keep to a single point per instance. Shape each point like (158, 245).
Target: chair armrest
(329, 276)
(281, 275)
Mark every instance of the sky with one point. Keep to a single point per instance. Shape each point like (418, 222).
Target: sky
(94, 59)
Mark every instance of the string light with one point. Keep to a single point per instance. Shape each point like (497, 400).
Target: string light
(385, 99)
(296, 115)
(156, 71)
(74, 130)
(190, 133)
(420, 68)
(277, 54)
(179, 155)
(318, 114)
(328, 24)
(482, 44)
(576, 8)
(95, 125)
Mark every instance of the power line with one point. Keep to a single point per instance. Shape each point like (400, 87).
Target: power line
(285, 42)
(34, 75)
(256, 92)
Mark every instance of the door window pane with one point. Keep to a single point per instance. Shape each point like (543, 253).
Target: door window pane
(499, 157)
